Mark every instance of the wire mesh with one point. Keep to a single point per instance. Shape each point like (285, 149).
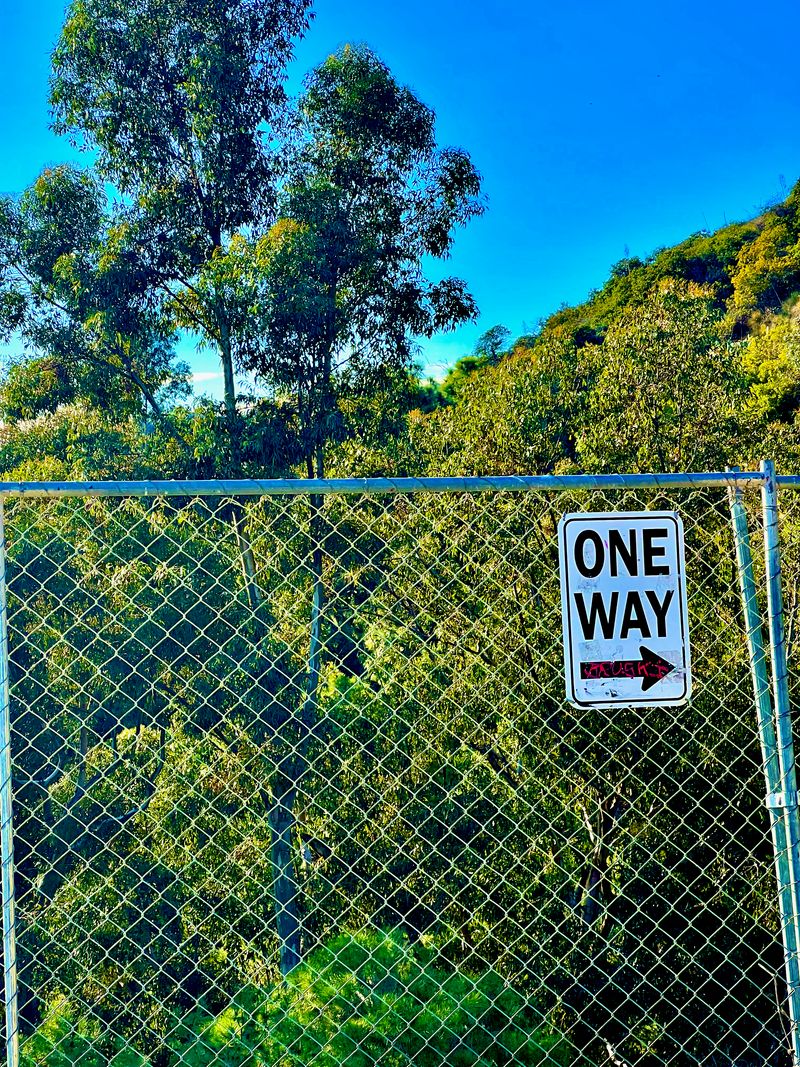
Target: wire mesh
(295, 783)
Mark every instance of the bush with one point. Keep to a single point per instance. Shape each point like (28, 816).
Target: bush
(66, 1040)
(363, 999)
(372, 998)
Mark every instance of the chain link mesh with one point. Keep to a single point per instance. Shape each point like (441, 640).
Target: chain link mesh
(295, 784)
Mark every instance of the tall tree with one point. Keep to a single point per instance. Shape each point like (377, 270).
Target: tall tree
(340, 290)
(69, 301)
(292, 243)
(338, 294)
(182, 103)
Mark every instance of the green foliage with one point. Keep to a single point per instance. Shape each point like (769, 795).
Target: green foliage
(81, 441)
(665, 390)
(767, 268)
(372, 998)
(180, 124)
(425, 395)
(337, 286)
(746, 267)
(771, 356)
(97, 341)
(491, 344)
(363, 999)
(522, 416)
(487, 353)
(64, 1039)
(460, 374)
(669, 395)
(33, 386)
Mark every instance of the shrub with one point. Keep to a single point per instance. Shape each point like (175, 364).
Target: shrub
(370, 998)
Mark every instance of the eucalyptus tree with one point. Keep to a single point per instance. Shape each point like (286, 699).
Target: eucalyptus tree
(340, 294)
(291, 241)
(63, 299)
(182, 103)
(339, 284)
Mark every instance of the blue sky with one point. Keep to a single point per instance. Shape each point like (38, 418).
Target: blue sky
(599, 128)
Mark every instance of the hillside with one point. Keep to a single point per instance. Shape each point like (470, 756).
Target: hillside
(751, 268)
(689, 359)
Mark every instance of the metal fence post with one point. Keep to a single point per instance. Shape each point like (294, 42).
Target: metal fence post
(769, 748)
(6, 824)
(785, 799)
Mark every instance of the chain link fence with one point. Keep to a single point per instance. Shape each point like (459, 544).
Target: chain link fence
(295, 784)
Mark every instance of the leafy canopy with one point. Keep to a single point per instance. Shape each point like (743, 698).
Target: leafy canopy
(177, 97)
(338, 289)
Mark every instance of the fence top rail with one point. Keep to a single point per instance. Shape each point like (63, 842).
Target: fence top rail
(387, 486)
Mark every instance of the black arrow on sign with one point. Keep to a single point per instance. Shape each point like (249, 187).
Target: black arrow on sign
(651, 668)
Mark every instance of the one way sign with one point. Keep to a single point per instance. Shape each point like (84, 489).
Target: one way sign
(623, 600)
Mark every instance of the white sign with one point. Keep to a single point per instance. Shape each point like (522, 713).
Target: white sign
(623, 599)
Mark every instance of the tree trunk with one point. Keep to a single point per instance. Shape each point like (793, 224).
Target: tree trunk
(286, 892)
(237, 509)
(595, 883)
(289, 777)
(84, 750)
(282, 818)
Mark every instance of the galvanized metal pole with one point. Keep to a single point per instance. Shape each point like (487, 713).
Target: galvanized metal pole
(6, 824)
(784, 800)
(388, 486)
(769, 746)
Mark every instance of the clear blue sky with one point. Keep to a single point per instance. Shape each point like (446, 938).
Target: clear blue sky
(598, 127)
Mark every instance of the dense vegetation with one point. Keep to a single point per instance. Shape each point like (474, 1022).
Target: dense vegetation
(295, 781)
(707, 330)
(361, 1000)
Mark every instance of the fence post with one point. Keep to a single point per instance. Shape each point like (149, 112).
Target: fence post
(769, 747)
(6, 824)
(785, 799)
